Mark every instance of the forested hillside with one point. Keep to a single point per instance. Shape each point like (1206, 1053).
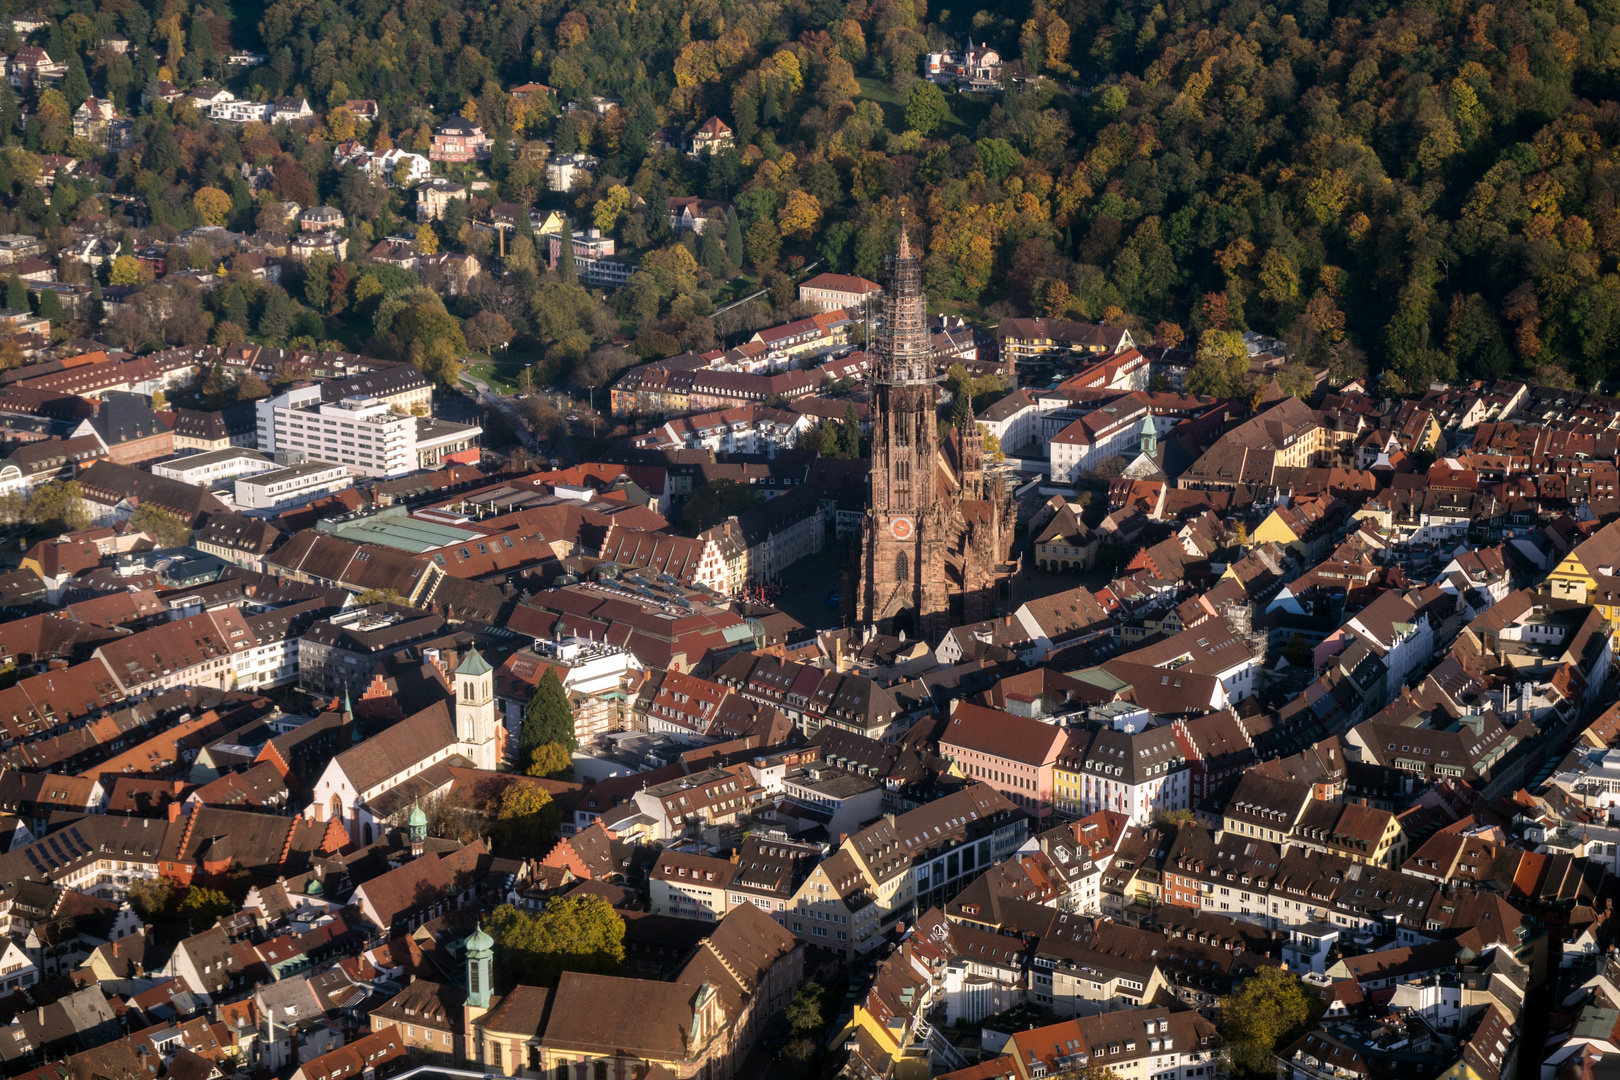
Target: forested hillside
(1425, 187)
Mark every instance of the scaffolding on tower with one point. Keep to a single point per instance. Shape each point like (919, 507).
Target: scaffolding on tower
(905, 348)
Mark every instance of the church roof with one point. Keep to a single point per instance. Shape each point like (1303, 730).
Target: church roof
(474, 664)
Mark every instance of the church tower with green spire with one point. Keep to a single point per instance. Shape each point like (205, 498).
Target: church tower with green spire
(477, 730)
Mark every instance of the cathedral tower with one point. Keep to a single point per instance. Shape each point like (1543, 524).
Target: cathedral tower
(902, 571)
(475, 711)
(936, 538)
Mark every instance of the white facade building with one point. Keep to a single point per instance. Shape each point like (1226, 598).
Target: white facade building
(208, 469)
(360, 432)
(293, 486)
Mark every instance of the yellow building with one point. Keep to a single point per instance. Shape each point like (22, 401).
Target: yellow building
(1277, 528)
(1590, 574)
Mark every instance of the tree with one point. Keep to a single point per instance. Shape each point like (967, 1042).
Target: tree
(849, 433)
(528, 821)
(552, 761)
(249, 387)
(734, 239)
(714, 502)
(763, 243)
(202, 907)
(59, 505)
(801, 216)
(16, 293)
(804, 1012)
(926, 108)
(487, 331)
(381, 596)
(152, 898)
(1268, 1010)
(50, 307)
(1223, 360)
(543, 418)
(427, 241)
(126, 270)
(998, 158)
(611, 208)
(341, 123)
(573, 933)
(212, 204)
(547, 718)
(566, 267)
(167, 530)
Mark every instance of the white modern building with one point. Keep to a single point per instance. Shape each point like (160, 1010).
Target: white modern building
(360, 432)
(210, 468)
(292, 486)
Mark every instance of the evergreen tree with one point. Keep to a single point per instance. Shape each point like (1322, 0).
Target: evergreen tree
(657, 211)
(16, 293)
(849, 433)
(547, 718)
(10, 116)
(75, 85)
(565, 261)
(711, 254)
(50, 307)
(734, 240)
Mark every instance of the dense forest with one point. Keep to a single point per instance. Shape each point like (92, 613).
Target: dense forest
(1425, 188)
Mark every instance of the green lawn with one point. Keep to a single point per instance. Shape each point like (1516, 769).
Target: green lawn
(501, 375)
(966, 111)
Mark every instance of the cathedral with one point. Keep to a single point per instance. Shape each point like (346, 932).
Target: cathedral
(936, 541)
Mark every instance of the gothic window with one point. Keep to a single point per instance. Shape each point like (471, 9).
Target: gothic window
(902, 567)
(902, 472)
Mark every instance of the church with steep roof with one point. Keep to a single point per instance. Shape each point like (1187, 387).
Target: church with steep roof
(373, 784)
(936, 540)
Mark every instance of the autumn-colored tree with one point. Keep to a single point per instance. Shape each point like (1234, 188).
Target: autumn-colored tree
(126, 270)
(552, 761)
(800, 216)
(1168, 335)
(1052, 298)
(212, 204)
(487, 331)
(341, 123)
(611, 208)
(427, 241)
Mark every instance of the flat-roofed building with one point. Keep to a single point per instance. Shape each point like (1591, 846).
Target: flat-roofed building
(293, 486)
(212, 467)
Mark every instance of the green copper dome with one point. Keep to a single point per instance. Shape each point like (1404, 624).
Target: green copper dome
(480, 945)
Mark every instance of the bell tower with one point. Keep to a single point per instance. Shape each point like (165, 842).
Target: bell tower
(475, 711)
(903, 536)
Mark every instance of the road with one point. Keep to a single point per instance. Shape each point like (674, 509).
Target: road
(507, 407)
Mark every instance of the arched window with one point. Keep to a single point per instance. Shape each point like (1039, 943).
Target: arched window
(337, 808)
(902, 567)
(562, 1070)
(600, 1070)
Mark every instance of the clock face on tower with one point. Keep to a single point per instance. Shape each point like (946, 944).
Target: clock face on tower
(902, 528)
